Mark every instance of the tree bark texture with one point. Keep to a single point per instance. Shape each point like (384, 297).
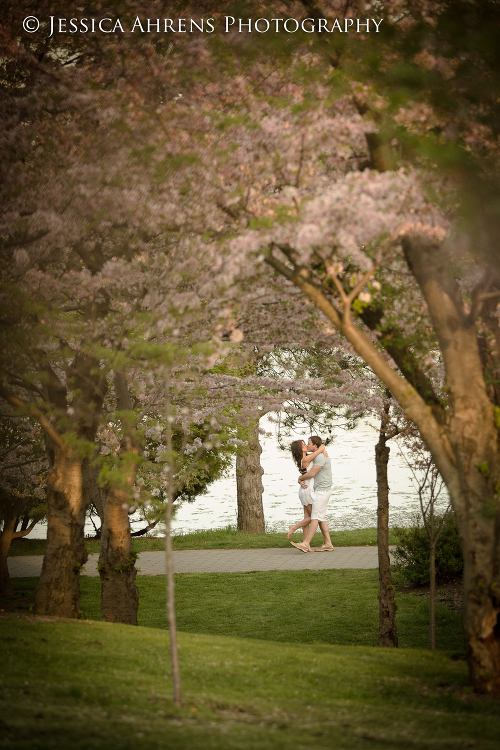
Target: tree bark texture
(57, 592)
(67, 493)
(387, 633)
(249, 486)
(119, 595)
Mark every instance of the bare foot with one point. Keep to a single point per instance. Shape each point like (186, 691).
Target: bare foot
(290, 532)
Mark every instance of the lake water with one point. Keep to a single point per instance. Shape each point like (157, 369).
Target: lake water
(353, 504)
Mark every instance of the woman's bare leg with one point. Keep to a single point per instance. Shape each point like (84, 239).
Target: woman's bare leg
(296, 526)
(301, 524)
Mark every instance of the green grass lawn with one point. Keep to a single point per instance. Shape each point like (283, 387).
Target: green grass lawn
(305, 606)
(97, 686)
(227, 538)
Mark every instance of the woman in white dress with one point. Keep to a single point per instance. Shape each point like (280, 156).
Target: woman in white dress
(303, 459)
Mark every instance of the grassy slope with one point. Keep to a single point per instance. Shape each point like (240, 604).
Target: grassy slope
(306, 606)
(93, 686)
(216, 539)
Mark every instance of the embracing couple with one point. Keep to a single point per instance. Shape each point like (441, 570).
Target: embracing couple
(316, 469)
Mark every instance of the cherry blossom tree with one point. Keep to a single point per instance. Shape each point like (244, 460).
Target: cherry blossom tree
(386, 258)
(338, 181)
(84, 242)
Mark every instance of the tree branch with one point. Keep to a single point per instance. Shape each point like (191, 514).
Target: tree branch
(414, 406)
(16, 464)
(19, 534)
(35, 412)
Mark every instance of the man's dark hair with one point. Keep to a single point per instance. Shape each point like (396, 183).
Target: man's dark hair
(315, 440)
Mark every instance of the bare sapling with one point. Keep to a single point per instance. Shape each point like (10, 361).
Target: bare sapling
(430, 487)
(387, 634)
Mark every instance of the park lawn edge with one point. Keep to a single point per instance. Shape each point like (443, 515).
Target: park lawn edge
(93, 685)
(227, 538)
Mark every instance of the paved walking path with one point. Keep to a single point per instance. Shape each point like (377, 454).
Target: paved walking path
(222, 561)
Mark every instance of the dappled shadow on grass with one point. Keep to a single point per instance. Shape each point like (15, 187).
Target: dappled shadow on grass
(449, 595)
(21, 598)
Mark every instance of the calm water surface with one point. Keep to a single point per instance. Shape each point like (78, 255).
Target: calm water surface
(354, 499)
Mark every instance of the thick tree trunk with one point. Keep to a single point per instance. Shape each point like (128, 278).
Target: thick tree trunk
(57, 591)
(119, 595)
(6, 537)
(249, 486)
(481, 548)
(472, 437)
(387, 634)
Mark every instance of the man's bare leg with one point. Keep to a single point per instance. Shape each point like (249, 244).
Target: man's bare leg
(326, 532)
(307, 514)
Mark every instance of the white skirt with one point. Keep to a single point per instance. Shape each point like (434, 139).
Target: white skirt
(306, 496)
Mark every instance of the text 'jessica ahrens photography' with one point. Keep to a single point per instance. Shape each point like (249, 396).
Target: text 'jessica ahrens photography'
(205, 25)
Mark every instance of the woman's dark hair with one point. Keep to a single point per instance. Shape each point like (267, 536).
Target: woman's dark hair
(296, 448)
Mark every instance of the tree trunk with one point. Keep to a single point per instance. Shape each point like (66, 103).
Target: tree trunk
(6, 537)
(57, 592)
(249, 486)
(481, 549)
(387, 634)
(119, 595)
(472, 439)
(432, 597)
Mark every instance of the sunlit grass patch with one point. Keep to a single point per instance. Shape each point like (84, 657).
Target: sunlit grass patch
(91, 685)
